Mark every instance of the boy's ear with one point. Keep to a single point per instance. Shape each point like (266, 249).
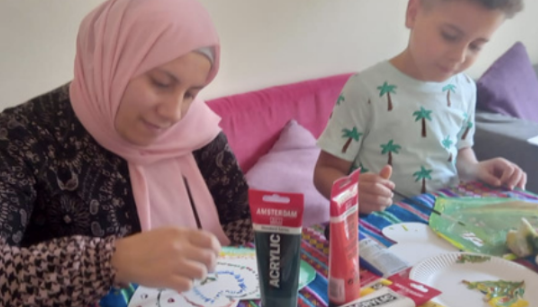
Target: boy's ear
(413, 7)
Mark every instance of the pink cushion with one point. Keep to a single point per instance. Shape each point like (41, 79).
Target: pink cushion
(289, 167)
(253, 121)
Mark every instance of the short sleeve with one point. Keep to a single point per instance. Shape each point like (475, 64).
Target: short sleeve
(349, 121)
(466, 135)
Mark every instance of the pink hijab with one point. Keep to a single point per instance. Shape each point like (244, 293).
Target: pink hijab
(122, 39)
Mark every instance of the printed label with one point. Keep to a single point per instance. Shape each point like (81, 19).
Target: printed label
(277, 220)
(336, 289)
(383, 297)
(344, 275)
(381, 258)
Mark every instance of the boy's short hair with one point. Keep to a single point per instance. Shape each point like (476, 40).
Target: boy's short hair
(508, 7)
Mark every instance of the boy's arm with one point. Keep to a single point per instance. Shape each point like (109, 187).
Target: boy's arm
(341, 139)
(340, 144)
(497, 171)
(466, 161)
(328, 169)
(466, 164)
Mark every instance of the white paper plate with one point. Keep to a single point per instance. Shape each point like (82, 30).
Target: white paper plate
(445, 274)
(411, 237)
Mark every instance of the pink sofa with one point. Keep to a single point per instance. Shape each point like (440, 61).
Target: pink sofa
(253, 121)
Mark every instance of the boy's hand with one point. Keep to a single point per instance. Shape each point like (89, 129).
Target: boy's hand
(501, 172)
(375, 190)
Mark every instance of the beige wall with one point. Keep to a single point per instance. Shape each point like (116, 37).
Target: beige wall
(265, 42)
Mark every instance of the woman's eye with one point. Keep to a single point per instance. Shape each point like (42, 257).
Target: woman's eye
(160, 84)
(449, 37)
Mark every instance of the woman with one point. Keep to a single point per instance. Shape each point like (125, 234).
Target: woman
(122, 175)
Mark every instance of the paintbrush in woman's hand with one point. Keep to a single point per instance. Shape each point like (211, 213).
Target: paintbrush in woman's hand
(193, 206)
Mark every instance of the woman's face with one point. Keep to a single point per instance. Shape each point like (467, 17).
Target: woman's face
(155, 101)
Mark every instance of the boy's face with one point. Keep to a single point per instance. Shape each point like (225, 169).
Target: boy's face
(447, 37)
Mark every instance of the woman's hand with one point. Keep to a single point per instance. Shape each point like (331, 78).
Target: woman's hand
(166, 258)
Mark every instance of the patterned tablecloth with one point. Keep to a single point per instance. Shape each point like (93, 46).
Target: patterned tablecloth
(315, 248)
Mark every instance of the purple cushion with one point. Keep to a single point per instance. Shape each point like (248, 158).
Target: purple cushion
(510, 86)
(289, 167)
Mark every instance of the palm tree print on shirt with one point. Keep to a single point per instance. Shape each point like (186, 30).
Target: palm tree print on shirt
(449, 88)
(423, 115)
(387, 89)
(338, 101)
(423, 174)
(468, 124)
(355, 166)
(389, 149)
(447, 144)
(350, 135)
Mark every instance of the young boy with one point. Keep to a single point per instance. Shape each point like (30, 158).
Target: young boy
(409, 122)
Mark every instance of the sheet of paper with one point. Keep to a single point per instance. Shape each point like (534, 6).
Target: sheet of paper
(146, 297)
(487, 222)
(235, 279)
(412, 237)
(533, 140)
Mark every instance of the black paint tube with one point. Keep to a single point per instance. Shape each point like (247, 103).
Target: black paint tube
(277, 220)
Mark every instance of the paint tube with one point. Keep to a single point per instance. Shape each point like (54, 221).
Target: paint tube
(277, 222)
(378, 259)
(344, 275)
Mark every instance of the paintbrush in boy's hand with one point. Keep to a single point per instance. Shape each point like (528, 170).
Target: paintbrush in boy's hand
(418, 204)
(424, 206)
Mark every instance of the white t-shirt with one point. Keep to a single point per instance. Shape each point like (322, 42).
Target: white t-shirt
(384, 116)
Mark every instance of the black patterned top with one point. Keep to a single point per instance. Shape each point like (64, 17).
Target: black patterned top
(64, 199)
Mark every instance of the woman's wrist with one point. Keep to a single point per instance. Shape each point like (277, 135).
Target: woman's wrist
(119, 280)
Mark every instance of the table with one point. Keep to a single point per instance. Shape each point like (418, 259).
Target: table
(315, 248)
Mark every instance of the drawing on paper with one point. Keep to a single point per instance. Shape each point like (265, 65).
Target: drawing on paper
(465, 258)
(500, 293)
(235, 278)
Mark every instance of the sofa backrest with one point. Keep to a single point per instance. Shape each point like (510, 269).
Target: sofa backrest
(253, 121)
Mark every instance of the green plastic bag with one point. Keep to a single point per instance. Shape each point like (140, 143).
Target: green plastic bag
(487, 221)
